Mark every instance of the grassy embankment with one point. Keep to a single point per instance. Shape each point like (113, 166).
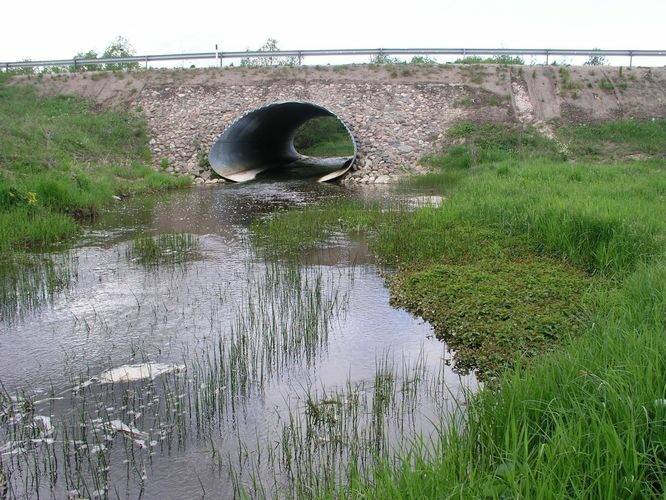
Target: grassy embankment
(60, 160)
(532, 258)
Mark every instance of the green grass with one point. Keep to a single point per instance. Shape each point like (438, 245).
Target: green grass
(586, 422)
(290, 233)
(474, 144)
(167, 249)
(61, 158)
(29, 281)
(491, 312)
(617, 139)
(549, 278)
(331, 147)
(323, 137)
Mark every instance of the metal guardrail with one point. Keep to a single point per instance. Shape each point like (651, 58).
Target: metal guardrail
(300, 54)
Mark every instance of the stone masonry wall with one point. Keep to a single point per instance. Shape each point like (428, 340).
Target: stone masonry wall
(394, 125)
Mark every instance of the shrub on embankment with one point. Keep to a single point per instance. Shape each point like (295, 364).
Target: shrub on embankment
(62, 159)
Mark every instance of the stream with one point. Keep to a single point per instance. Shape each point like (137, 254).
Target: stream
(208, 370)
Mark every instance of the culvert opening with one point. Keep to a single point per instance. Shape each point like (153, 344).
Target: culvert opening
(295, 138)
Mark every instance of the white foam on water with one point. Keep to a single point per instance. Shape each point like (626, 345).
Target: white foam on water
(132, 373)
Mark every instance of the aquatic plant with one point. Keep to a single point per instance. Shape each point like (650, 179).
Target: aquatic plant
(167, 249)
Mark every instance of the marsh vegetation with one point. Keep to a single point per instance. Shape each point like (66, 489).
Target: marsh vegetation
(228, 340)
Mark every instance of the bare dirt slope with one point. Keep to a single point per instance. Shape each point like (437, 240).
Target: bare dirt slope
(574, 94)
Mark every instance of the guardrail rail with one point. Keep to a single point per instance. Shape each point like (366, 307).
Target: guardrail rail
(300, 54)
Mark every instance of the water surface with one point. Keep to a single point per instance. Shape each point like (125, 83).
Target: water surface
(284, 372)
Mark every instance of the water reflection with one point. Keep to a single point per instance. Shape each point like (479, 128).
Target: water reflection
(309, 355)
(28, 282)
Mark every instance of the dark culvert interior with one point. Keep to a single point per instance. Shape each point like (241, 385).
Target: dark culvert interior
(262, 141)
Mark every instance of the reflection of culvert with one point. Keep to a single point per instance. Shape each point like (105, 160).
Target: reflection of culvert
(263, 139)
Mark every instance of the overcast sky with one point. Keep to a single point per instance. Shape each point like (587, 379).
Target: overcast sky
(59, 29)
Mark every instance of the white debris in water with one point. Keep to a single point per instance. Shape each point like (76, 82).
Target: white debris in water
(48, 441)
(123, 428)
(97, 448)
(43, 424)
(41, 401)
(13, 450)
(426, 201)
(132, 373)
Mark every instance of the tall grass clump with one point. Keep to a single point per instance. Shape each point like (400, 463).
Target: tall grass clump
(474, 144)
(166, 249)
(602, 218)
(20, 228)
(29, 281)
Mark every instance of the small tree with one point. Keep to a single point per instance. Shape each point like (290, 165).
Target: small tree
(596, 60)
(506, 59)
(271, 45)
(422, 60)
(91, 54)
(25, 70)
(120, 47)
(384, 59)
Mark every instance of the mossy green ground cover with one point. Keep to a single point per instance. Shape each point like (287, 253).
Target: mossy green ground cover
(547, 275)
(61, 159)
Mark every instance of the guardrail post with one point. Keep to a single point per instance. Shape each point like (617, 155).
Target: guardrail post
(146, 62)
(546, 58)
(631, 57)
